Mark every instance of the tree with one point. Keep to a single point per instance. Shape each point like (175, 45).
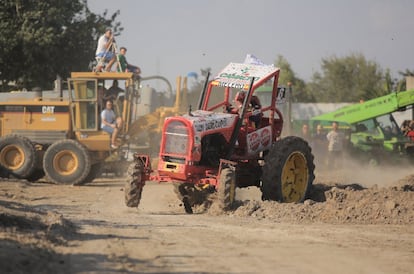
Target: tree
(401, 84)
(347, 79)
(287, 75)
(197, 87)
(42, 39)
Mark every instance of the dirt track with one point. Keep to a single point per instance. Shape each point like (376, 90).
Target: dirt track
(344, 229)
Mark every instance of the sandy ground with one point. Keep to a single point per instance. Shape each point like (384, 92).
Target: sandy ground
(350, 224)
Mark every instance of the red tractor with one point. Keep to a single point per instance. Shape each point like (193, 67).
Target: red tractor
(231, 141)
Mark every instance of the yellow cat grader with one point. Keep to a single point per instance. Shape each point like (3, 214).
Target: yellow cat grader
(61, 137)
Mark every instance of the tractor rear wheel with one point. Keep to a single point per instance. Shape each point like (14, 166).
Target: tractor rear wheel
(17, 156)
(226, 191)
(288, 171)
(67, 162)
(134, 184)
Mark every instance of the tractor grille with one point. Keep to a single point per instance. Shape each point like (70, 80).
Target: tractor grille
(176, 138)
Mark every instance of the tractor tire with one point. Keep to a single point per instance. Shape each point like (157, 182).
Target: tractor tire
(190, 195)
(96, 170)
(181, 190)
(288, 172)
(226, 191)
(17, 156)
(67, 162)
(134, 185)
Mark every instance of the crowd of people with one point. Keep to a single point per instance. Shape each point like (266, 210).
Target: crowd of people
(328, 147)
(106, 56)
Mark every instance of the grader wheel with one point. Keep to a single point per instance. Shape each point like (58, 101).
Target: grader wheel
(17, 156)
(67, 162)
(288, 172)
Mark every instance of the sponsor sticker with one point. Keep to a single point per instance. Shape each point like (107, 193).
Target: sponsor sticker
(259, 140)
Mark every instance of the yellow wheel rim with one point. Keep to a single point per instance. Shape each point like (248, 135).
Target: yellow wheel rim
(65, 162)
(294, 178)
(12, 157)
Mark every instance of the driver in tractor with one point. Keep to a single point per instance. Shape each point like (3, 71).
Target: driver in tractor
(254, 106)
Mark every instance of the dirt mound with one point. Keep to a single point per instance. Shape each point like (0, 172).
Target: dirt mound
(330, 202)
(36, 237)
(28, 238)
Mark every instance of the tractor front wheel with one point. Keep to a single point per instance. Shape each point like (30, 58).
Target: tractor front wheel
(134, 184)
(67, 162)
(226, 191)
(288, 172)
(192, 195)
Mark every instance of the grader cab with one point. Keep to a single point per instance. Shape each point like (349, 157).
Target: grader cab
(60, 136)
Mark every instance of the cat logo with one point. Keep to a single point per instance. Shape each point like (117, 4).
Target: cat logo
(48, 109)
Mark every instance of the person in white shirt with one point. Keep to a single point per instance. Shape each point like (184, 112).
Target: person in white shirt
(335, 145)
(111, 123)
(104, 52)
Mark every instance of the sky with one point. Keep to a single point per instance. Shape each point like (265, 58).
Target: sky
(174, 37)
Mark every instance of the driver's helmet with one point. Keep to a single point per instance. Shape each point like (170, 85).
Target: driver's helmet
(240, 96)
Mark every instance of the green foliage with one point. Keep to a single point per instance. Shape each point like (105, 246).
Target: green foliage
(348, 79)
(401, 84)
(287, 75)
(42, 39)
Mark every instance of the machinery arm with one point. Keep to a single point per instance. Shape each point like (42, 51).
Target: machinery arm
(358, 112)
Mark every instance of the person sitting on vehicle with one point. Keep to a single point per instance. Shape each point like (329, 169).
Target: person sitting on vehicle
(111, 123)
(410, 132)
(361, 128)
(405, 127)
(113, 91)
(124, 65)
